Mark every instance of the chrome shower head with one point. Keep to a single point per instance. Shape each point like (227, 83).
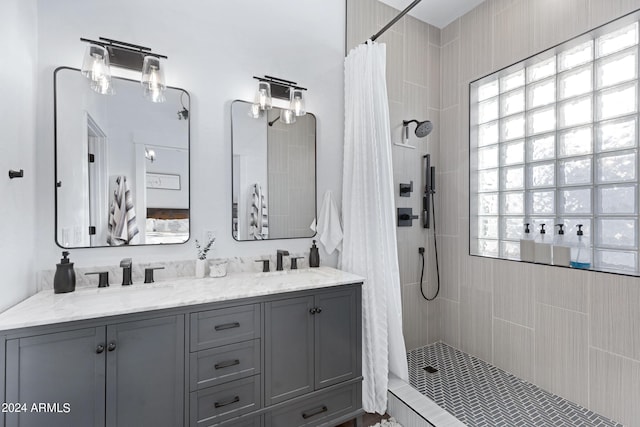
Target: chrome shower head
(423, 128)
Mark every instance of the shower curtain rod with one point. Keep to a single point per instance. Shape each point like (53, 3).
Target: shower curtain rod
(394, 20)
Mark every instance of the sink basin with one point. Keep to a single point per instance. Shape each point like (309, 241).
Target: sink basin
(299, 272)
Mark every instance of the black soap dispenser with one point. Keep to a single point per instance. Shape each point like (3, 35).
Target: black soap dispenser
(314, 256)
(65, 278)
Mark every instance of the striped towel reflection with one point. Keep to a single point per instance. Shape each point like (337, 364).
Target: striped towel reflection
(259, 220)
(122, 215)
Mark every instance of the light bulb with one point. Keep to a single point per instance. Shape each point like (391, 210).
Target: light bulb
(287, 116)
(263, 96)
(255, 112)
(296, 103)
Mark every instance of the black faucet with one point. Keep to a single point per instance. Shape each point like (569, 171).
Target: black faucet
(280, 254)
(126, 271)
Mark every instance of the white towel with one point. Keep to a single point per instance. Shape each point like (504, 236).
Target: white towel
(259, 220)
(328, 226)
(122, 215)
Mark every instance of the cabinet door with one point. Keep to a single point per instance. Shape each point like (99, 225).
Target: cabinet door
(337, 341)
(145, 373)
(288, 349)
(57, 369)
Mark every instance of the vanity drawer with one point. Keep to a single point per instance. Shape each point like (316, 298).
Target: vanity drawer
(223, 364)
(224, 326)
(318, 409)
(213, 405)
(248, 421)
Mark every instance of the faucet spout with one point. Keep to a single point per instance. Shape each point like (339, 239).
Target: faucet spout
(279, 254)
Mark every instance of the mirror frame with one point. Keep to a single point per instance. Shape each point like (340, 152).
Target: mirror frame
(55, 165)
(315, 177)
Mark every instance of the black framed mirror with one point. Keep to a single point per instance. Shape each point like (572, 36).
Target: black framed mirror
(121, 164)
(274, 175)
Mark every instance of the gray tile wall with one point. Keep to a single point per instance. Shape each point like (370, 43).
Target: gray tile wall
(413, 86)
(574, 333)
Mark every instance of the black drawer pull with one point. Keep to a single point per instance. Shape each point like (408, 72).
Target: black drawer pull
(111, 346)
(226, 364)
(227, 326)
(228, 402)
(315, 412)
(99, 349)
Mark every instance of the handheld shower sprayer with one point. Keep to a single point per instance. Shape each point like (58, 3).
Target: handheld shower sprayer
(423, 128)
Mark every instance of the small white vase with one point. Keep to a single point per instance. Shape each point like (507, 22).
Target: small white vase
(201, 268)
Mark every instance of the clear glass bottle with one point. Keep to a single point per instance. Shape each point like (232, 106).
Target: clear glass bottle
(582, 252)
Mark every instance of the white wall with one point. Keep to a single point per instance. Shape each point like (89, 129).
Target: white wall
(214, 49)
(18, 21)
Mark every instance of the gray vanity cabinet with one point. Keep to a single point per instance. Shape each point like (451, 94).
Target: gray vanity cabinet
(121, 374)
(60, 368)
(311, 343)
(145, 373)
(289, 348)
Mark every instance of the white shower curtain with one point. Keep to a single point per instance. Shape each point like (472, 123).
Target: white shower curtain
(369, 245)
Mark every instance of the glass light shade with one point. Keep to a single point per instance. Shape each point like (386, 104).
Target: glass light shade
(103, 86)
(287, 116)
(255, 112)
(95, 63)
(153, 79)
(263, 96)
(95, 67)
(154, 95)
(296, 103)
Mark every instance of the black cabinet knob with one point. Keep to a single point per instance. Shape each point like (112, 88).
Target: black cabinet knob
(318, 310)
(112, 346)
(313, 310)
(99, 349)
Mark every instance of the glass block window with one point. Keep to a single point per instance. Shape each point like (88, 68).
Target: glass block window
(554, 139)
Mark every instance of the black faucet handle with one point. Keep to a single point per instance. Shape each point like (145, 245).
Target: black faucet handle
(148, 273)
(103, 278)
(294, 262)
(265, 265)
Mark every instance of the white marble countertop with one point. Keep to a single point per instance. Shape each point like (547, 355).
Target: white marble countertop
(45, 307)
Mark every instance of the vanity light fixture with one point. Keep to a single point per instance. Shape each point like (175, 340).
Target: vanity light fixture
(95, 67)
(149, 154)
(101, 54)
(273, 87)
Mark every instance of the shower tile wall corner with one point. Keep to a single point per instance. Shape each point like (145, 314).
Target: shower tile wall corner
(571, 332)
(413, 86)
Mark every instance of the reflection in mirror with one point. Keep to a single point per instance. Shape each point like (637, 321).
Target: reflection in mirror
(274, 174)
(122, 165)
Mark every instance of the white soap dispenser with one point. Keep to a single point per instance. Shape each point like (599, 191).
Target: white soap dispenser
(542, 252)
(561, 251)
(527, 245)
(582, 252)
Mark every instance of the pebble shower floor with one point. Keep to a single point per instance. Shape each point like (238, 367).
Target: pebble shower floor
(479, 394)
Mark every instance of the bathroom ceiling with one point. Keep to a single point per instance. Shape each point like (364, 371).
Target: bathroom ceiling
(436, 12)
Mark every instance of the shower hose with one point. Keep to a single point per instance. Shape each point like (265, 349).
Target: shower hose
(435, 247)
